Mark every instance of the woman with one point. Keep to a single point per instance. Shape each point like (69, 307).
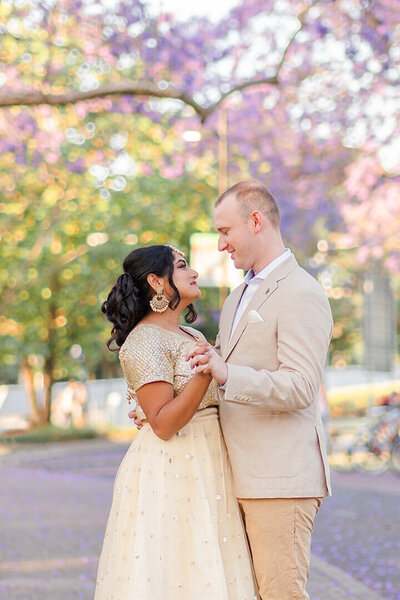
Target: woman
(174, 529)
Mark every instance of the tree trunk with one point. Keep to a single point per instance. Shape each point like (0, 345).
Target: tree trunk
(26, 373)
(50, 359)
(48, 384)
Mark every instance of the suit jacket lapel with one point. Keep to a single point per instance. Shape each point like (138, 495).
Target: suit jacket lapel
(266, 289)
(263, 292)
(230, 310)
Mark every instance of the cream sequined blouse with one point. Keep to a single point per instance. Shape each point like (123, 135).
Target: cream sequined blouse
(151, 353)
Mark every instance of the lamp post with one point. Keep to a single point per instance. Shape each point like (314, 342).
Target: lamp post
(223, 182)
(222, 149)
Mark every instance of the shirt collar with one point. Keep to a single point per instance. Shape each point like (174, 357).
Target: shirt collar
(266, 270)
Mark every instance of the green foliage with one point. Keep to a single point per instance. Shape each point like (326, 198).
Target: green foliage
(65, 236)
(207, 308)
(49, 433)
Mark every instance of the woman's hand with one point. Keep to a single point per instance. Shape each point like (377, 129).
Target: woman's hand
(138, 422)
(205, 359)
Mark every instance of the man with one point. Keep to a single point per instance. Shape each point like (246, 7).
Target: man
(268, 360)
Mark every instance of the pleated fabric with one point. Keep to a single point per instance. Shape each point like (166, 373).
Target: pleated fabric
(174, 529)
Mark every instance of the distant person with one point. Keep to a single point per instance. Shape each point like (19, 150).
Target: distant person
(174, 529)
(268, 360)
(67, 409)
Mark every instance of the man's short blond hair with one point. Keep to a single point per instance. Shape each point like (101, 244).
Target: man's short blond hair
(253, 195)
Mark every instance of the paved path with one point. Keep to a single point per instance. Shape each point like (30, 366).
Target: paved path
(54, 502)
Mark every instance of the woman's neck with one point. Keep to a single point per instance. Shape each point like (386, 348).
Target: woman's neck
(168, 320)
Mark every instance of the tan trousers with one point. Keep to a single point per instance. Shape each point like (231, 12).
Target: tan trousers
(279, 533)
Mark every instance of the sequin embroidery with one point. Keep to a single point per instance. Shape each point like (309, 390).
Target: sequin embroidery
(151, 353)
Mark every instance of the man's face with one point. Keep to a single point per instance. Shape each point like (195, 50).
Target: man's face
(236, 234)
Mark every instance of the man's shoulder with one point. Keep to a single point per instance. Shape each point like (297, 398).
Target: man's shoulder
(299, 276)
(299, 288)
(304, 289)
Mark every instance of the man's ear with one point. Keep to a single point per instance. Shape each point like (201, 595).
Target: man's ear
(257, 220)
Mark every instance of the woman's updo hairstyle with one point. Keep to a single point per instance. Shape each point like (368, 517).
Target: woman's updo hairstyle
(129, 300)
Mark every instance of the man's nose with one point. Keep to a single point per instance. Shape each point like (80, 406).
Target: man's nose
(221, 244)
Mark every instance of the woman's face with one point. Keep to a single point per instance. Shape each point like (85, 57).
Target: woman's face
(185, 280)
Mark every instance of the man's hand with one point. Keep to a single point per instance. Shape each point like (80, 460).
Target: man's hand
(138, 422)
(205, 359)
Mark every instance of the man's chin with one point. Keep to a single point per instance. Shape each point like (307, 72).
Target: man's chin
(240, 264)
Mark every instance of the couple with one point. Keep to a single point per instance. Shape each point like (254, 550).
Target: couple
(175, 527)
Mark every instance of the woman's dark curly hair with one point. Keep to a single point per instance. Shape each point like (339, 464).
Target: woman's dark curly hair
(128, 301)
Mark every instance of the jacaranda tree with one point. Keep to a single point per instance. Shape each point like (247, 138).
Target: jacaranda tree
(118, 125)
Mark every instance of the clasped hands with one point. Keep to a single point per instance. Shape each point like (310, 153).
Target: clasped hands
(203, 359)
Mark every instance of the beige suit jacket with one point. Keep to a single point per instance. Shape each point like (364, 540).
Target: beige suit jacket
(269, 411)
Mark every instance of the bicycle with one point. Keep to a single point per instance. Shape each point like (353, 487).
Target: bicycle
(395, 456)
(376, 446)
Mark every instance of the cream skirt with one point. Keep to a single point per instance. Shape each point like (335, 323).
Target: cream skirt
(174, 529)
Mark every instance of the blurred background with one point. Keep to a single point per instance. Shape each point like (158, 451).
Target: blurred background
(121, 121)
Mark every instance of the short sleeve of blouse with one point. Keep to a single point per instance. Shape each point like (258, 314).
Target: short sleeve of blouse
(145, 358)
(194, 332)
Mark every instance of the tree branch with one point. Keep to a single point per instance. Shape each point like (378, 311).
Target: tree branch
(35, 97)
(301, 17)
(273, 79)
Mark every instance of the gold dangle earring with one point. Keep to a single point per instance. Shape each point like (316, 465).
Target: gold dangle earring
(159, 303)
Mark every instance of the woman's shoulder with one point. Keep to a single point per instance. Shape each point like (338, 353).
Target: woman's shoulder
(194, 332)
(148, 338)
(143, 335)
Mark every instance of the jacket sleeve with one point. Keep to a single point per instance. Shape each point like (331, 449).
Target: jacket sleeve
(304, 331)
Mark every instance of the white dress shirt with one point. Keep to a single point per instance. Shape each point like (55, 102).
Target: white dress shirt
(253, 282)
